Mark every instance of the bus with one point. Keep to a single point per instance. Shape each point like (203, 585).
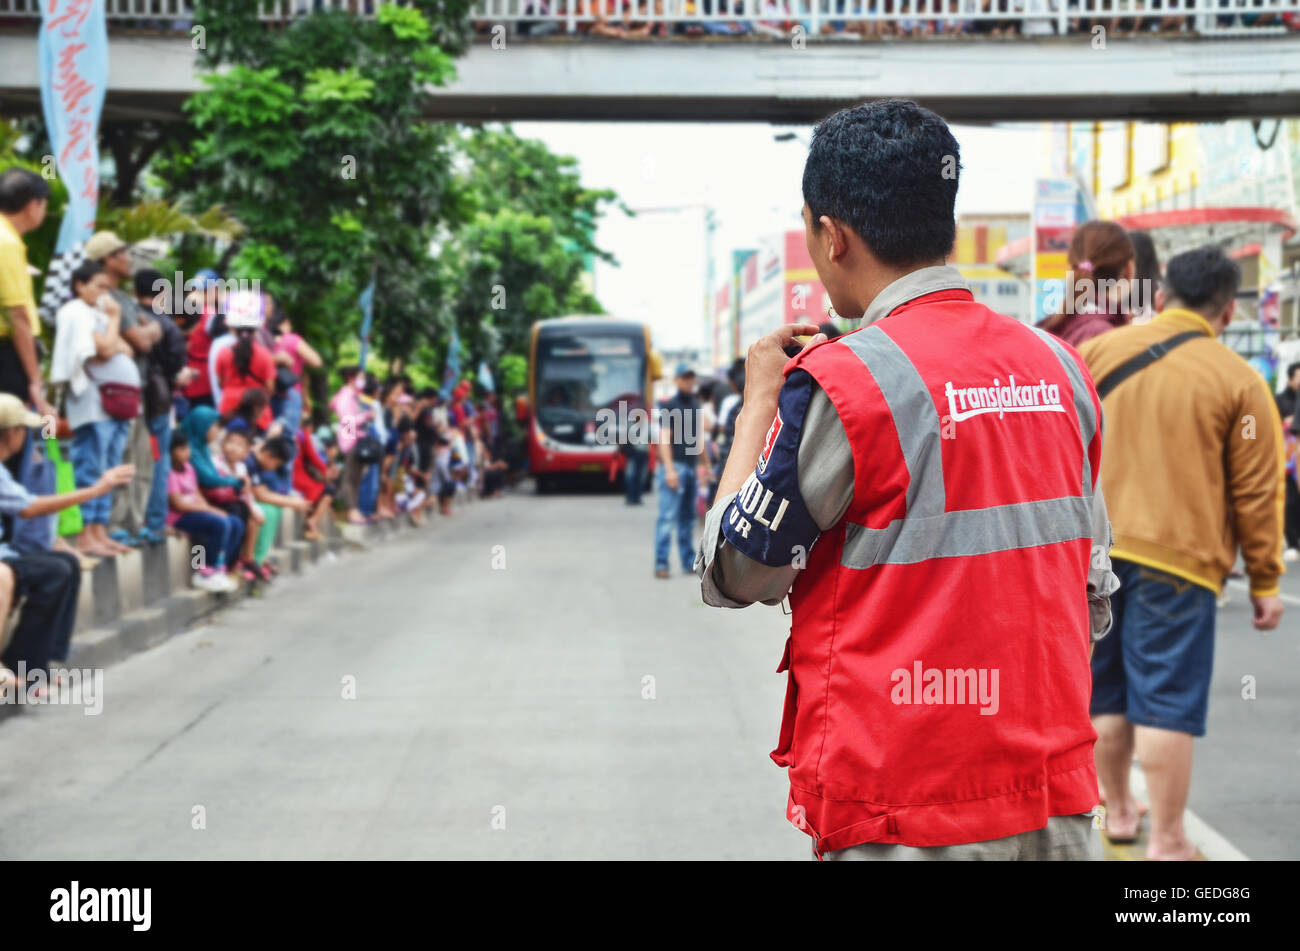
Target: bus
(578, 367)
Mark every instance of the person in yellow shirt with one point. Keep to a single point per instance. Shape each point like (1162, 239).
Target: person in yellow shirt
(1193, 466)
(23, 199)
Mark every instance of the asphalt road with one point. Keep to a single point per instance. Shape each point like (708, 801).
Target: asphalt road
(524, 688)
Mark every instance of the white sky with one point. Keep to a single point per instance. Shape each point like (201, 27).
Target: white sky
(752, 183)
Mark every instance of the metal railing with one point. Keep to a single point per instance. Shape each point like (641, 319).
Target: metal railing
(910, 17)
(272, 11)
(630, 18)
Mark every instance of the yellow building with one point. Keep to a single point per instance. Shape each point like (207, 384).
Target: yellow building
(974, 254)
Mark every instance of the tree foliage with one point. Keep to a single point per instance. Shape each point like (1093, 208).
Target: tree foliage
(525, 241)
(313, 137)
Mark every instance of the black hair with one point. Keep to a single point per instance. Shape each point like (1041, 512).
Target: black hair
(83, 273)
(1205, 279)
(371, 387)
(251, 404)
(888, 170)
(145, 282)
(1290, 370)
(405, 425)
(736, 373)
(348, 372)
(429, 392)
(278, 447)
(1146, 268)
(242, 351)
(19, 188)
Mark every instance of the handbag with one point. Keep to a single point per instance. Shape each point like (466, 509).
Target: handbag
(285, 380)
(120, 400)
(369, 449)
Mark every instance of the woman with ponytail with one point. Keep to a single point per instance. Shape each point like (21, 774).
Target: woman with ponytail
(246, 363)
(1098, 284)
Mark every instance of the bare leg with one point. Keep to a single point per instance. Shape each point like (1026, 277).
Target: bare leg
(1166, 758)
(1114, 756)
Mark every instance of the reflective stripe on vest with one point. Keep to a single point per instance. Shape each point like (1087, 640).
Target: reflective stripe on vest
(928, 531)
(1083, 408)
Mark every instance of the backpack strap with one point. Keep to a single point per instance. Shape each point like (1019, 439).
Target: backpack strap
(1143, 360)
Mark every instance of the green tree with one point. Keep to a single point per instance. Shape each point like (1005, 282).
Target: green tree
(313, 137)
(525, 241)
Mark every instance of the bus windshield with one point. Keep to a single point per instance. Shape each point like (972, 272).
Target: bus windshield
(580, 374)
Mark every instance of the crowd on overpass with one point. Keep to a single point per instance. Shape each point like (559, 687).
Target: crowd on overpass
(642, 19)
(157, 414)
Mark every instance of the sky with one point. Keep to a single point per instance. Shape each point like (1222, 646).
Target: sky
(752, 183)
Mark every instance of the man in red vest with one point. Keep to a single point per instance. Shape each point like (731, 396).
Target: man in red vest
(924, 488)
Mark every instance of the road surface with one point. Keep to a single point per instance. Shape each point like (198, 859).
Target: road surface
(513, 683)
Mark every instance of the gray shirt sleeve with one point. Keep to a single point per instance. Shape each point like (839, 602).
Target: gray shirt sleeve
(1102, 582)
(733, 580)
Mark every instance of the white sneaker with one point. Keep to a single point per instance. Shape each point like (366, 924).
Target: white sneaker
(213, 581)
(1291, 555)
(228, 583)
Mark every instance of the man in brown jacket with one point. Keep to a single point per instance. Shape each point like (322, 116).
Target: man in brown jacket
(1193, 464)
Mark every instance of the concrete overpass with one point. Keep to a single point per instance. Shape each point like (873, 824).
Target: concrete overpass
(965, 78)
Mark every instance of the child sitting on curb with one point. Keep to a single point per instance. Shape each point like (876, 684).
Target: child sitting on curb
(217, 534)
(269, 456)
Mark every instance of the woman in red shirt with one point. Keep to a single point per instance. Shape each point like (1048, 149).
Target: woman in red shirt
(244, 365)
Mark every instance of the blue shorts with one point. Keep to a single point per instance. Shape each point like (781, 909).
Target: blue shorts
(1154, 666)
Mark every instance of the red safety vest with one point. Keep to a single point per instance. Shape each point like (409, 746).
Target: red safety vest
(938, 658)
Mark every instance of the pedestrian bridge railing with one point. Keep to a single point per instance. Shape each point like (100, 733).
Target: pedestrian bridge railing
(844, 18)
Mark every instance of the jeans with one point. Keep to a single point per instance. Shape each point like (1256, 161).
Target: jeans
(50, 581)
(369, 490)
(288, 410)
(634, 475)
(1154, 666)
(95, 448)
(676, 506)
(214, 533)
(155, 513)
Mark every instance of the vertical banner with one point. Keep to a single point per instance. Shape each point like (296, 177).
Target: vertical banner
(73, 58)
(367, 301)
(451, 369)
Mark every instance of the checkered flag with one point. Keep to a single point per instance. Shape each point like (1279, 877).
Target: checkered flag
(58, 282)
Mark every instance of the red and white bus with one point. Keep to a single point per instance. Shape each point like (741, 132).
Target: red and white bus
(582, 369)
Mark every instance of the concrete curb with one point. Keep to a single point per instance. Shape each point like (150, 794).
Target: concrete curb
(124, 608)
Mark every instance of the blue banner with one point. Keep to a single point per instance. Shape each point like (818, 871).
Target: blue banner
(451, 369)
(367, 301)
(485, 377)
(73, 58)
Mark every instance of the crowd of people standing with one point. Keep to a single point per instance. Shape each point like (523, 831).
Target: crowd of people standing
(158, 413)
